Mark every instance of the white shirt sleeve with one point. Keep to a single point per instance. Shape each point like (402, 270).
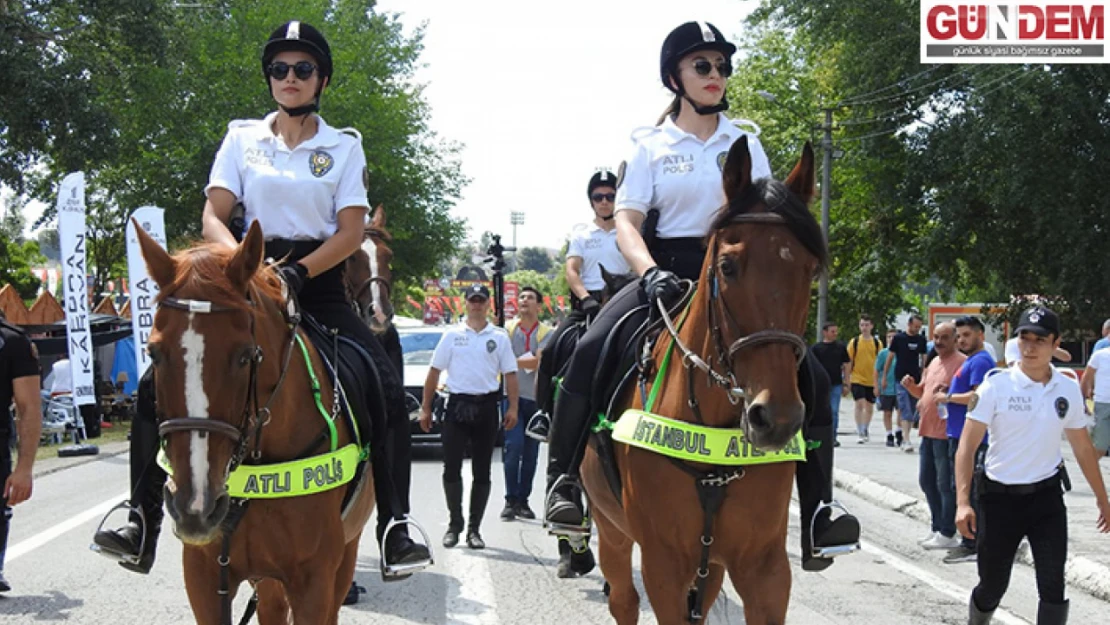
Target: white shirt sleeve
(1075, 419)
(761, 167)
(1096, 360)
(441, 357)
(226, 172)
(984, 401)
(505, 356)
(574, 248)
(636, 190)
(351, 189)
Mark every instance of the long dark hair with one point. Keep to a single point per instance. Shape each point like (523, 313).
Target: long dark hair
(672, 109)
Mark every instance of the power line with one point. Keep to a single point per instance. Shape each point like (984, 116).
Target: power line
(858, 99)
(964, 72)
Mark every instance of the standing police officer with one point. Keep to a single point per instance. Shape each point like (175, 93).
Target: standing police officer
(474, 353)
(19, 380)
(1026, 408)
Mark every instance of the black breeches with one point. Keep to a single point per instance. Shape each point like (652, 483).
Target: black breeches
(584, 364)
(481, 434)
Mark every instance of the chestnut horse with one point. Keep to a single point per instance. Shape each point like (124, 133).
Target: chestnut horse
(234, 390)
(368, 276)
(746, 317)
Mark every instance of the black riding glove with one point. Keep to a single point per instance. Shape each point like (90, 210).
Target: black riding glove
(589, 306)
(295, 276)
(661, 286)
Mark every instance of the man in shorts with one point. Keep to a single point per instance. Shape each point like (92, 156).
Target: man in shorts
(863, 350)
(1096, 386)
(885, 386)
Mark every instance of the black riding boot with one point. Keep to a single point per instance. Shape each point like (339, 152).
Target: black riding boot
(398, 547)
(569, 431)
(453, 491)
(975, 616)
(5, 521)
(574, 562)
(147, 483)
(1052, 613)
(814, 477)
(479, 496)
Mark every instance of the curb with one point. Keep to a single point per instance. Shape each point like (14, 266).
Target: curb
(55, 466)
(1080, 572)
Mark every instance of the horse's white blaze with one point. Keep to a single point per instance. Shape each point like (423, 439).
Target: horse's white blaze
(371, 250)
(196, 405)
(785, 254)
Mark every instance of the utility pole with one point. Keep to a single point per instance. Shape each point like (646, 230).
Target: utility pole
(516, 218)
(826, 198)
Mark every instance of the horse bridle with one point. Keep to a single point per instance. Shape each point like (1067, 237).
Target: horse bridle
(254, 418)
(725, 356)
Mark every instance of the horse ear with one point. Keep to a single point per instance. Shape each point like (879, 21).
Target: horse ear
(737, 174)
(378, 222)
(803, 180)
(158, 261)
(605, 275)
(247, 258)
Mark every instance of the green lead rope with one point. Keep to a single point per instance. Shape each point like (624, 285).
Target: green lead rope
(316, 395)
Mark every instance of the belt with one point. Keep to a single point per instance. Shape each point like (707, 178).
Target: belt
(991, 486)
(483, 397)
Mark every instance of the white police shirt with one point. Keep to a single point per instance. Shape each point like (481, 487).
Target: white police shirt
(1100, 362)
(596, 247)
(293, 194)
(680, 175)
(1025, 420)
(473, 360)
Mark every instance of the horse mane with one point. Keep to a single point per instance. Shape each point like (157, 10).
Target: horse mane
(778, 199)
(203, 268)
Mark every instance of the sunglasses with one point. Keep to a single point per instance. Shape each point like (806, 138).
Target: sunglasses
(303, 70)
(608, 197)
(703, 68)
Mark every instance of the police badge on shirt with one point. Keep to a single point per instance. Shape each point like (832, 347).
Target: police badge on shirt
(1061, 407)
(490, 346)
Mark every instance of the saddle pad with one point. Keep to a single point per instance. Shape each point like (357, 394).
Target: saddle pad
(699, 443)
(360, 386)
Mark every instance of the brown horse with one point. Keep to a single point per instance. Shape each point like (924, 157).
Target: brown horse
(746, 317)
(369, 277)
(234, 389)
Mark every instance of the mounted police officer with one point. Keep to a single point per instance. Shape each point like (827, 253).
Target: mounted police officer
(305, 183)
(674, 173)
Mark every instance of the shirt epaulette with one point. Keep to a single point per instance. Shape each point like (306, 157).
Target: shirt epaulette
(352, 132)
(994, 371)
(740, 124)
(644, 132)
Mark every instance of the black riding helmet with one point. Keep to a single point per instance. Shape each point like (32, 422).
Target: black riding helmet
(603, 178)
(302, 37)
(687, 38)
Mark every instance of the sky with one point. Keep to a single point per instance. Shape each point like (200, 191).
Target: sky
(543, 94)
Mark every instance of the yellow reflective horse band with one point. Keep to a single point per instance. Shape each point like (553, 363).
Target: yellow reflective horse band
(295, 478)
(698, 443)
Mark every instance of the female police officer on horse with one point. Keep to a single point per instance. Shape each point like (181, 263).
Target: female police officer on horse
(675, 170)
(305, 183)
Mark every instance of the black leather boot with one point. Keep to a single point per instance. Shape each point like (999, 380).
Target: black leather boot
(5, 521)
(975, 616)
(569, 432)
(574, 563)
(136, 541)
(1052, 613)
(479, 497)
(453, 491)
(398, 546)
(814, 478)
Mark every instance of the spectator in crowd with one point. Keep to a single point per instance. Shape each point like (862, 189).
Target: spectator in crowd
(1096, 387)
(833, 356)
(909, 350)
(885, 387)
(863, 350)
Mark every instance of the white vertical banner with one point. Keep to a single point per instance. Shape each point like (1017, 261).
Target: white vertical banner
(143, 289)
(71, 231)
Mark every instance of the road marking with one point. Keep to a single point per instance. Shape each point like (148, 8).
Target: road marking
(26, 546)
(475, 603)
(943, 586)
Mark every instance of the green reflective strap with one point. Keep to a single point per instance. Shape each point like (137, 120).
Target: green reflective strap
(296, 478)
(811, 445)
(658, 383)
(602, 424)
(699, 443)
(316, 394)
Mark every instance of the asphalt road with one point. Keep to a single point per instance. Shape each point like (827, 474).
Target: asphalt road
(57, 578)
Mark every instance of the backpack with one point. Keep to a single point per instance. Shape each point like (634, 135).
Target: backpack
(852, 346)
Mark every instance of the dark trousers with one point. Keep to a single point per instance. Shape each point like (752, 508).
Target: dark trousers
(980, 457)
(5, 511)
(481, 435)
(935, 478)
(1004, 519)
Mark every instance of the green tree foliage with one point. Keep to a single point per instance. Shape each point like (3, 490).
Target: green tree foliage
(969, 182)
(140, 95)
(534, 259)
(17, 256)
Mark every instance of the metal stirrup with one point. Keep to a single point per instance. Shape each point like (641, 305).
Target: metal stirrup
(126, 558)
(829, 551)
(407, 568)
(563, 529)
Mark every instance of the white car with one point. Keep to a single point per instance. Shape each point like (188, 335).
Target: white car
(418, 343)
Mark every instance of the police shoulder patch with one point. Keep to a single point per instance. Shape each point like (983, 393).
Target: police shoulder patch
(320, 163)
(365, 178)
(620, 173)
(721, 158)
(1062, 407)
(973, 402)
